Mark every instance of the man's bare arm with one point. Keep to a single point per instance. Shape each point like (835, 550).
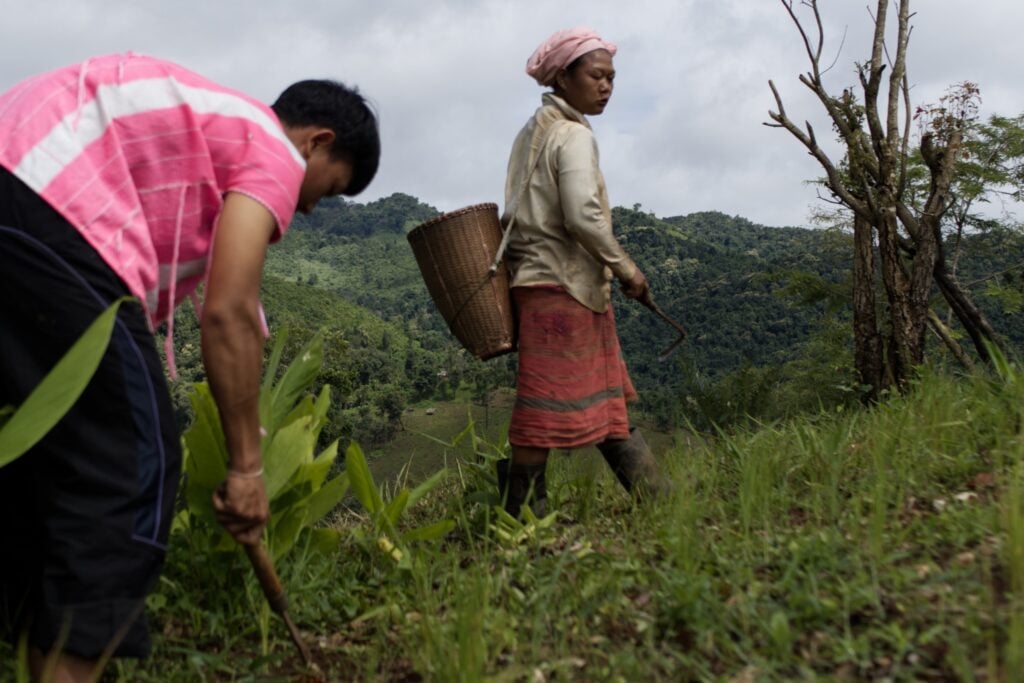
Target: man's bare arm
(232, 345)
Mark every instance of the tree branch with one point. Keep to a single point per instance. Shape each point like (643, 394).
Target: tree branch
(943, 333)
(813, 54)
(835, 181)
(899, 71)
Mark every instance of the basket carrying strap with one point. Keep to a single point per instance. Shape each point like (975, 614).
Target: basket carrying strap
(515, 203)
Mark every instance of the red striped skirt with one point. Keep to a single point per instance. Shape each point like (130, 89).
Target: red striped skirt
(572, 385)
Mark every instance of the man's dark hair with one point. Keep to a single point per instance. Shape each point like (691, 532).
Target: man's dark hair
(342, 109)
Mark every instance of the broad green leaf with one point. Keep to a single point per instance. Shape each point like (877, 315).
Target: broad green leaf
(284, 531)
(321, 503)
(58, 391)
(1003, 367)
(502, 518)
(293, 494)
(427, 485)
(323, 404)
(275, 358)
(296, 380)
(324, 541)
(394, 509)
(316, 472)
(294, 478)
(541, 522)
(290, 448)
(267, 386)
(200, 502)
(361, 480)
(181, 521)
(206, 455)
(469, 430)
(430, 532)
(304, 408)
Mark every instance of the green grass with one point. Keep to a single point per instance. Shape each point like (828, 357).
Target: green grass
(415, 448)
(873, 544)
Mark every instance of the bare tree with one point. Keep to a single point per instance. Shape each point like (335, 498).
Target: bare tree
(872, 181)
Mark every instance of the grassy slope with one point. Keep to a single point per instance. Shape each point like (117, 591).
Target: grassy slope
(417, 445)
(420, 444)
(858, 546)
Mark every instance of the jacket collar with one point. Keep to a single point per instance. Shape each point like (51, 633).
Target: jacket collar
(550, 99)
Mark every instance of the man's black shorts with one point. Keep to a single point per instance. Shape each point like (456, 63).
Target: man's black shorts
(84, 515)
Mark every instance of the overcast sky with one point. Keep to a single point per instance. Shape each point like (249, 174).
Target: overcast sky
(683, 131)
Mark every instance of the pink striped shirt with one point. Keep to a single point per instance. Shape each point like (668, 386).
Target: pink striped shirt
(138, 153)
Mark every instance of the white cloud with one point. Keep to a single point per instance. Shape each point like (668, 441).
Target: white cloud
(683, 132)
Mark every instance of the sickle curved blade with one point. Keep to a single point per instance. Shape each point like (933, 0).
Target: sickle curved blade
(648, 301)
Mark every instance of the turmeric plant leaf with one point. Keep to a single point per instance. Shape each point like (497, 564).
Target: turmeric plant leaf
(206, 455)
(296, 380)
(427, 485)
(396, 507)
(326, 499)
(58, 391)
(361, 480)
(291, 447)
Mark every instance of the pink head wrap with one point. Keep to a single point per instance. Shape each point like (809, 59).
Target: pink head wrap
(561, 50)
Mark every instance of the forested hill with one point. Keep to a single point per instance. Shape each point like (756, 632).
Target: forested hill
(766, 309)
(723, 278)
(391, 215)
(718, 275)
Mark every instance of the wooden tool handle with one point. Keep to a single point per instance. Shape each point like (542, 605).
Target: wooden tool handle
(267, 576)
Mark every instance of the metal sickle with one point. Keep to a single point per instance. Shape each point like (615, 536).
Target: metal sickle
(647, 300)
(274, 592)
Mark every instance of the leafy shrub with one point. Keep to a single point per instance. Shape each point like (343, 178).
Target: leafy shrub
(385, 514)
(296, 478)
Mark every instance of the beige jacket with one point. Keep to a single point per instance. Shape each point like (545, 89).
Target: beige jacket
(563, 229)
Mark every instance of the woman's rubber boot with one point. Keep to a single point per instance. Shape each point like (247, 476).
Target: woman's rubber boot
(634, 465)
(522, 484)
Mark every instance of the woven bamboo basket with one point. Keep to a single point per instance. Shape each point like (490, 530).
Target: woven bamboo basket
(454, 252)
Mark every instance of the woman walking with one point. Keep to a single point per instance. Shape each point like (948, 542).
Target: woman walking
(572, 385)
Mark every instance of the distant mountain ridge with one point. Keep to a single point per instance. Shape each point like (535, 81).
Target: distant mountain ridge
(395, 214)
(734, 283)
(762, 306)
(709, 269)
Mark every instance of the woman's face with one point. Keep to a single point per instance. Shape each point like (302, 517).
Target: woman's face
(588, 87)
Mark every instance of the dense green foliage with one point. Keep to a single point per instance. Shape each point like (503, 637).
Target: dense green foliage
(719, 275)
(728, 281)
(296, 474)
(866, 545)
(839, 543)
(767, 310)
(391, 215)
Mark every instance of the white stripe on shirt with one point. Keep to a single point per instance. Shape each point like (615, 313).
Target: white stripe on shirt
(66, 141)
